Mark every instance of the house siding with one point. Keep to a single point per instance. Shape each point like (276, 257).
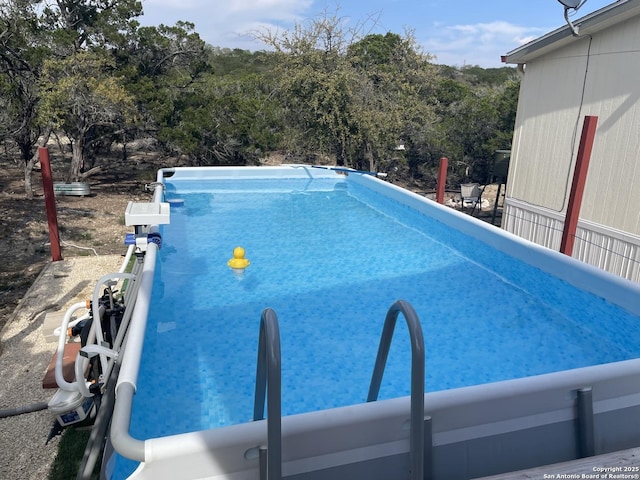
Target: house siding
(591, 76)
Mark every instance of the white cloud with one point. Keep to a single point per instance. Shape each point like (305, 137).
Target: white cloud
(477, 44)
(228, 23)
(232, 23)
(176, 4)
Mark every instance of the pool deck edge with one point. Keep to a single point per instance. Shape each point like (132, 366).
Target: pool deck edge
(613, 463)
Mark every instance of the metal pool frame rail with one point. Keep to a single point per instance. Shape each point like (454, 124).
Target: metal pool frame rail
(125, 388)
(477, 431)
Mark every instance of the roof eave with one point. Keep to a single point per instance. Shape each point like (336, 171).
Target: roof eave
(590, 24)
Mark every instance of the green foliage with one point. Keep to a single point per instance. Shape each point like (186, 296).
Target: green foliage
(21, 58)
(492, 77)
(322, 89)
(223, 121)
(357, 98)
(80, 91)
(475, 111)
(237, 63)
(82, 96)
(74, 25)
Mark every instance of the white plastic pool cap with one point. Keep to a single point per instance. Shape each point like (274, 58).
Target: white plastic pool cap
(175, 202)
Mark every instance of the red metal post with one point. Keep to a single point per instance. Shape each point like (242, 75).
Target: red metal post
(50, 204)
(442, 179)
(577, 186)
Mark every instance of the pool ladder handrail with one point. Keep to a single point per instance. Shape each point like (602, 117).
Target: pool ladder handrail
(416, 435)
(269, 386)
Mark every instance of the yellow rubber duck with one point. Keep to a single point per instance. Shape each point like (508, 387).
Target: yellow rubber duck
(238, 262)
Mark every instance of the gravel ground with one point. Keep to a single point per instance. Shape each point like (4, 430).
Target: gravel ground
(25, 355)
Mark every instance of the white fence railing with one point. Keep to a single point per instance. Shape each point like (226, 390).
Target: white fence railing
(607, 248)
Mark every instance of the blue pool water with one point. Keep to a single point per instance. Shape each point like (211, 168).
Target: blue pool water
(330, 257)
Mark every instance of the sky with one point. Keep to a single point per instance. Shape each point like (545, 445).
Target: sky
(456, 32)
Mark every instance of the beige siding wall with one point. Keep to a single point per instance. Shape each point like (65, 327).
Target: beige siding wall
(545, 124)
(551, 112)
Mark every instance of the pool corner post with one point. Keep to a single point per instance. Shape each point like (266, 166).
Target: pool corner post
(577, 186)
(50, 204)
(442, 179)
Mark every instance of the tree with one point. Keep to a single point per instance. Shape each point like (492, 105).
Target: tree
(225, 121)
(316, 84)
(211, 106)
(392, 99)
(84, 37)
(81, 96)
(63, 32)
(353, 96)
(476, 121)
(21, 55)
(168, 72)
(325, 89)
(76, 25)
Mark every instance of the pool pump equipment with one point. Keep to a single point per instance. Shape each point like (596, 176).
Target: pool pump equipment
(70, 407)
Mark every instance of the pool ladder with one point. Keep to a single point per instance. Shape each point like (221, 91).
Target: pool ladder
(268, 372)
(417, 452)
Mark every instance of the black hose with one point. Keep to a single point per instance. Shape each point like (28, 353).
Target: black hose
(98, 434)
(12, 412)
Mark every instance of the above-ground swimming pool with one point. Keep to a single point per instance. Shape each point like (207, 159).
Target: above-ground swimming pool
(506, 324)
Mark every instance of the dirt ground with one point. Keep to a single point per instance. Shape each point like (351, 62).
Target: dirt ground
(91, 225)
(88, 225)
